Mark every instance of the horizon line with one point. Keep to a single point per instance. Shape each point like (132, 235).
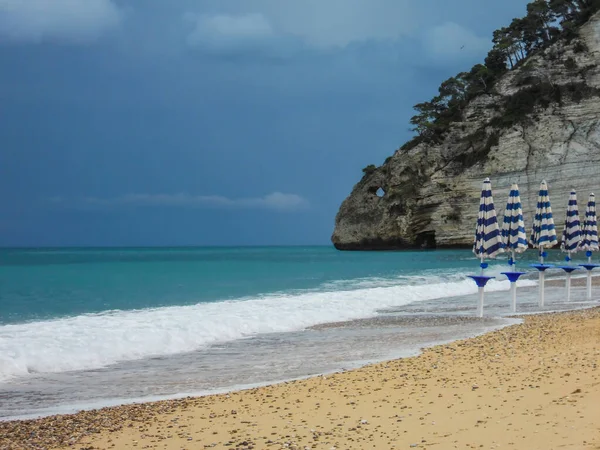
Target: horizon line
(50, 247)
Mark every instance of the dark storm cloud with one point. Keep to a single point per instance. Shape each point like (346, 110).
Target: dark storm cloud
(224, 101)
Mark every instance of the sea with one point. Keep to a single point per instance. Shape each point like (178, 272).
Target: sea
(83, 328)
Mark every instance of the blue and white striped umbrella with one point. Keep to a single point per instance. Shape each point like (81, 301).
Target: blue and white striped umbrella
(488, 242)
(589, 241)
(543, 232)
(571, 236)
(514, 236)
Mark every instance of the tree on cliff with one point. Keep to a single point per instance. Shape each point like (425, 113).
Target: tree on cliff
(546, 21)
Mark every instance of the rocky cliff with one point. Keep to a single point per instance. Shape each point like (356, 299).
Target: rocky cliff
(431, 191)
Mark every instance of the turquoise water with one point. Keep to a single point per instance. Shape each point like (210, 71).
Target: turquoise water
(41, 284)
(138, 323)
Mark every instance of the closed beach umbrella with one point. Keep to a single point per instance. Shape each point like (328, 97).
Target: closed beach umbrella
(513, 227)
(514, 237)
(543, 233)
(571, 237)
(589, 240)
(488, 241)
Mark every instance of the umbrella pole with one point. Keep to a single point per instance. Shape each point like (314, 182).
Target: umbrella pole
(513, 291)
(589, 280)
(541, 300)
(541, 283)
(480, 303)
(568, 280)
(513, 285)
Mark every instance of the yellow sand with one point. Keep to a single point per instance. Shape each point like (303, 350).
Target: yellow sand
(530, 386)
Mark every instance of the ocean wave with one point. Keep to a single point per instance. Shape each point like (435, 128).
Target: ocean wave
(93, 341)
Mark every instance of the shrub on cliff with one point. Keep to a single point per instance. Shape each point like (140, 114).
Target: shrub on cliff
(570, 64)
(369, 169)
(524, 102)
(546, 22)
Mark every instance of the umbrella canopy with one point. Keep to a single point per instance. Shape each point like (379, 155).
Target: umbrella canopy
(543, 232)
(571, 236)
(488, 242)
(514, 237)
(589, 241)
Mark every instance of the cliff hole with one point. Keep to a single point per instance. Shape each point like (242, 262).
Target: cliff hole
(380, 192)
(426, 239)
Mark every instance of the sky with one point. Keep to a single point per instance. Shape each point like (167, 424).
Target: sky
(212, 122)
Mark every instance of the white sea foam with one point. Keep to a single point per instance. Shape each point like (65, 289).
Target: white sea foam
(94, 341)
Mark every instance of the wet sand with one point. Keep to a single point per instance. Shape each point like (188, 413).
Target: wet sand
(529, 386)
(578, 281)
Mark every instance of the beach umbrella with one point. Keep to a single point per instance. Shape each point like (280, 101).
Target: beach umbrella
(514, 238)
(571, 238)
(589, 240)
(488, 241)
(543, 233)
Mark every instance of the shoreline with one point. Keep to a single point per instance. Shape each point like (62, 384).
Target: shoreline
(76, 408)
(211, 419)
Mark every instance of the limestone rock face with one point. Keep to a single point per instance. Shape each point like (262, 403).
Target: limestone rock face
(432, 191)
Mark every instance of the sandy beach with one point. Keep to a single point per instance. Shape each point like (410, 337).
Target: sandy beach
(529, 386)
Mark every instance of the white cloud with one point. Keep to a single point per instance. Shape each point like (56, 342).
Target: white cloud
(275, 201)
(219, 28)
(231, 33)
(452, 41)
(337, 23)
(62, 20)
(318, 23)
